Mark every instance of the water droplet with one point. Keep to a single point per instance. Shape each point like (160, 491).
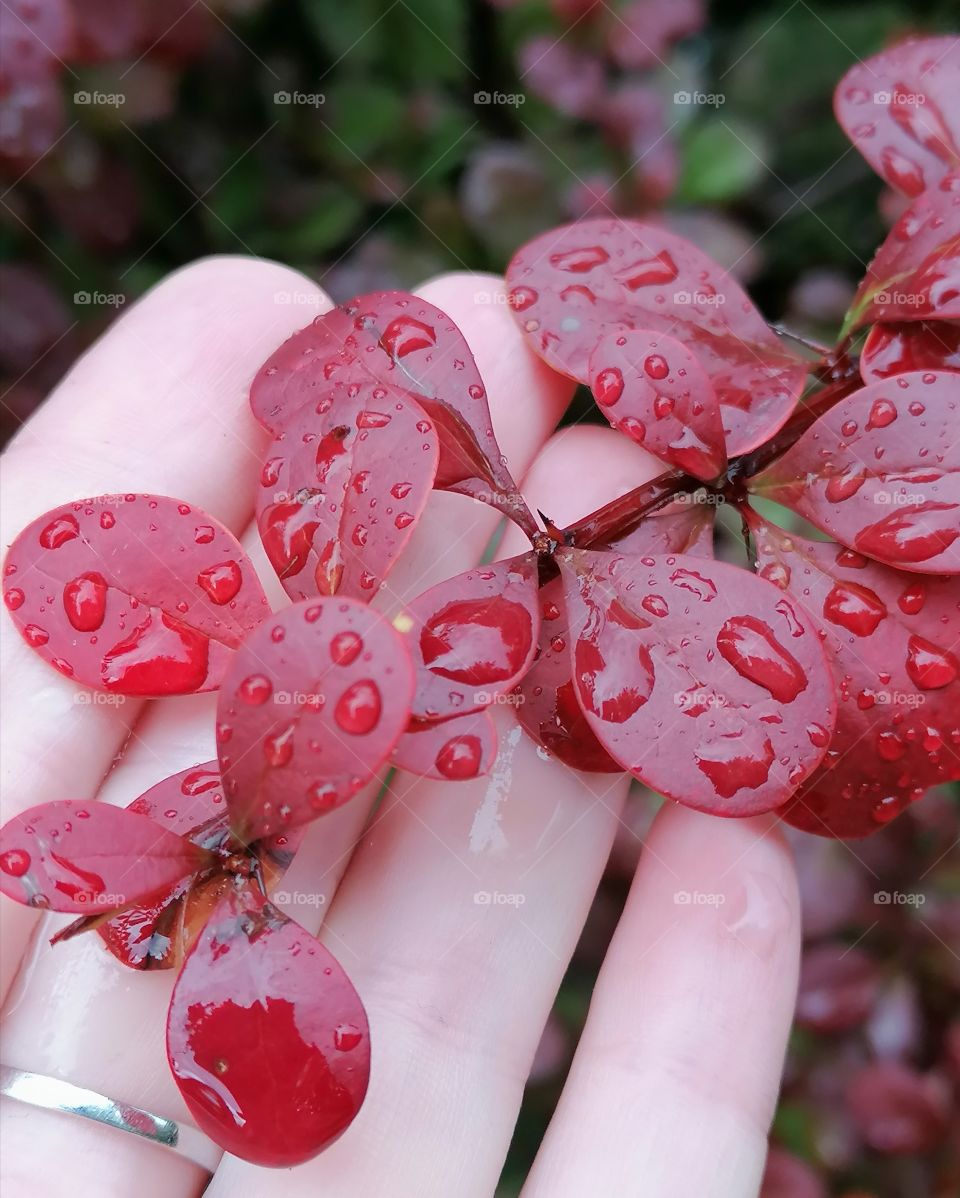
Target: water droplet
(818, 735)
(404, 520)
(358, 708)
(890, 746)
(346, 1036)
(750, 646)
(646, 272)
(59, 531)
(521, 298)
(221, 582)
(345, 648)
(912, 599)
(854, 607)
(255, 690)
(882, 413)
(14, 598)
(15, 862)
(843, 486)
(580, 261)
(404, 335)
(929, 667)
(608, 386)
(656, 605)
(460, 758)
(656, 367)
(85, 601)
(278, 748)
(477, 642)
(401, 490)
(203, 534)
(736, 761)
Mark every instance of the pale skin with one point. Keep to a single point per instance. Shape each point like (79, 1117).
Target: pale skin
(675, 1078)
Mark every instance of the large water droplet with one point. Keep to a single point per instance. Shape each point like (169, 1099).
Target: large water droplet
(59, 531)
(750, 646)
(929, 667)
(358, 708)
(85, 601)
(854, 607)
(459, 758)
(221, 582)
(345, 648)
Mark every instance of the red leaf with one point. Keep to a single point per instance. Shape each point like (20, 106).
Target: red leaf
(134, 594)
(915, 274)
(839, 985)
(342, 488)
(699, 678)
(880, 471)
(652, 388)
(454, 750)
(472, 637)
(395, 338)
(898, 1110)
(548, 709)
(267, 1038)
(311, 708)
(890, 637)
(90, 857)
(686, 526)
(573, 285)
(899, 109)
(919, 345)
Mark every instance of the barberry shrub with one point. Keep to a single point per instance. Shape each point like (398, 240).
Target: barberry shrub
(819, 679)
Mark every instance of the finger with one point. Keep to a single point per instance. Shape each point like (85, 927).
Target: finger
(456, 920)
(95, 1005)
(675, 1078)
(158, 404)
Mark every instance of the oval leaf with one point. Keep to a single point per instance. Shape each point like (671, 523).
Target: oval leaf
(652, 388)
(880, 471)
(699, 678)
(311, 708)
(454, 750)
(134, 594)
(915, 274)
(399, 339)
(900, 348)
(892, 640)
(342, 488)
(573, 285)
(472, 637)
(90, 857)
(267, 1038)
(899, 109)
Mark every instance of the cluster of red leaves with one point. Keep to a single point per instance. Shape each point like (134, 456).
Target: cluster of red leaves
(824, 682)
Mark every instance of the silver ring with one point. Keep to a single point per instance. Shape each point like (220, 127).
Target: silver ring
(54, 1095)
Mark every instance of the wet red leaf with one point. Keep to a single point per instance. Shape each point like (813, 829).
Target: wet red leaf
(652, 388)
(399, 339)
(892, 639)
(311, 708)
(267, 1038)
(572, 286)
(899, 110)
(472, 637)
(686, 526)
(880, 472)
(915, 345)
(701, 679)
(342, 488)
(915, 274)
(454, 750)
(90, 858)
(134, 594)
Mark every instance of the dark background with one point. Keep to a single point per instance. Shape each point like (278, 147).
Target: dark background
(399, 172)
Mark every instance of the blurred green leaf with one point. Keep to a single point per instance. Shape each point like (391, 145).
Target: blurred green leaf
(721, 160)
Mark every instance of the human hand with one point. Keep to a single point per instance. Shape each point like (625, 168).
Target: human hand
(676, 1075)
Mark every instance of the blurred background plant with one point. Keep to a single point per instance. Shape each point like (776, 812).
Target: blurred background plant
(372, 144)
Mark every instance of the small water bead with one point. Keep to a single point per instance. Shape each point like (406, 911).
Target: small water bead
(608, 386)
(14, 598)
(107, 520)
(401, 490)
(278, 748)
(404, 520)
(85, 601)
(346, 1037)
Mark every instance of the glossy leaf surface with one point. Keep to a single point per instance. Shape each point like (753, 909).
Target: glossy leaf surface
(915, 274)
(702, 680)
(311, 708)
(572, 286)
(134, 594)
(342, 488)
(453, 750)
(880, 472)
(267, 1038)
(652, 388)
(916, 345)
(88, 858)
(893, 641)
(472, 637)
(899, 109)
(686, 526)
(399, 339)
